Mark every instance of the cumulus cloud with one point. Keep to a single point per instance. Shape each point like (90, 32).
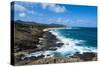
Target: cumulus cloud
(22, 14)
(18, 7)
(23, 11)
(21, 8)
(53, 7)
(59, 20)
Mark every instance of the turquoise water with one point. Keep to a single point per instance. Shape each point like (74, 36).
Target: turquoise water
(75, 40)
(88, 35)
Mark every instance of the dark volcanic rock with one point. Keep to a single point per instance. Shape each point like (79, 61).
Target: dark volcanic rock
(18, 57)
(52, 48)
(86, 56)
(26, 39)
(49, 40)
(41, 56)
(60, 44)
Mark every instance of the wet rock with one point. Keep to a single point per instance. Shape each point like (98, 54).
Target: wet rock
(41, 56)
(86, 56)
(60, 44)
(52, 48)
(18, 57)
(48, 41)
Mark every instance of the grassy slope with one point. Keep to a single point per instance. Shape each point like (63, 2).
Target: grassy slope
(26, 34)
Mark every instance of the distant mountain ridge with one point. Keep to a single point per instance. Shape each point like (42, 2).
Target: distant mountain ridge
(35, 23)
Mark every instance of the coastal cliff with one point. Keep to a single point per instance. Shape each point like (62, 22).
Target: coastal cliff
(33, 37)
(29, 37)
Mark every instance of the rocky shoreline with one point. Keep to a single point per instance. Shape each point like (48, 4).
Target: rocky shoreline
(48, 42)
(32, 39)
(50, 60)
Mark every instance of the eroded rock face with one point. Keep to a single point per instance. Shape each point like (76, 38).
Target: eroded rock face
(26, 38)
(50, 41)
(55, 60)
(86, 56)
(30, 40)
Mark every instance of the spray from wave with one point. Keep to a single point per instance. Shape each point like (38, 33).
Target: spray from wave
(69, 48)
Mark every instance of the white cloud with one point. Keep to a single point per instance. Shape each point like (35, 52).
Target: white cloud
(33, 12)
(18, 7)
(23, 11)
(44, 5)
(22, 15)
(50, 19)
(53, 7)
(59, 20)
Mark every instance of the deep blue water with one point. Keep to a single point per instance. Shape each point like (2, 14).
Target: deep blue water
(88, 35)
(77, 39)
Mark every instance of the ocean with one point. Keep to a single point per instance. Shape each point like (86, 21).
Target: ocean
(75, 39)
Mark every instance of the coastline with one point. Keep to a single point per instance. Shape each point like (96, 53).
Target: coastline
(47, 29)
(44, 41)
(51, 60)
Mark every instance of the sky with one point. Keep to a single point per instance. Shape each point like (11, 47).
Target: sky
(47, 13)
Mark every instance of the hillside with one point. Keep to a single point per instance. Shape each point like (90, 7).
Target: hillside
(27, 37)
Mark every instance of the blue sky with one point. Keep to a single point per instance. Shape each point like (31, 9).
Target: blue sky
(71, 15)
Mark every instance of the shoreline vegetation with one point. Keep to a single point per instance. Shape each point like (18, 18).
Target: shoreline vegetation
(30, 37)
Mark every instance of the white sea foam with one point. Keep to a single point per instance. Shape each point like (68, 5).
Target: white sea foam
(71, 28)
(70, 47)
